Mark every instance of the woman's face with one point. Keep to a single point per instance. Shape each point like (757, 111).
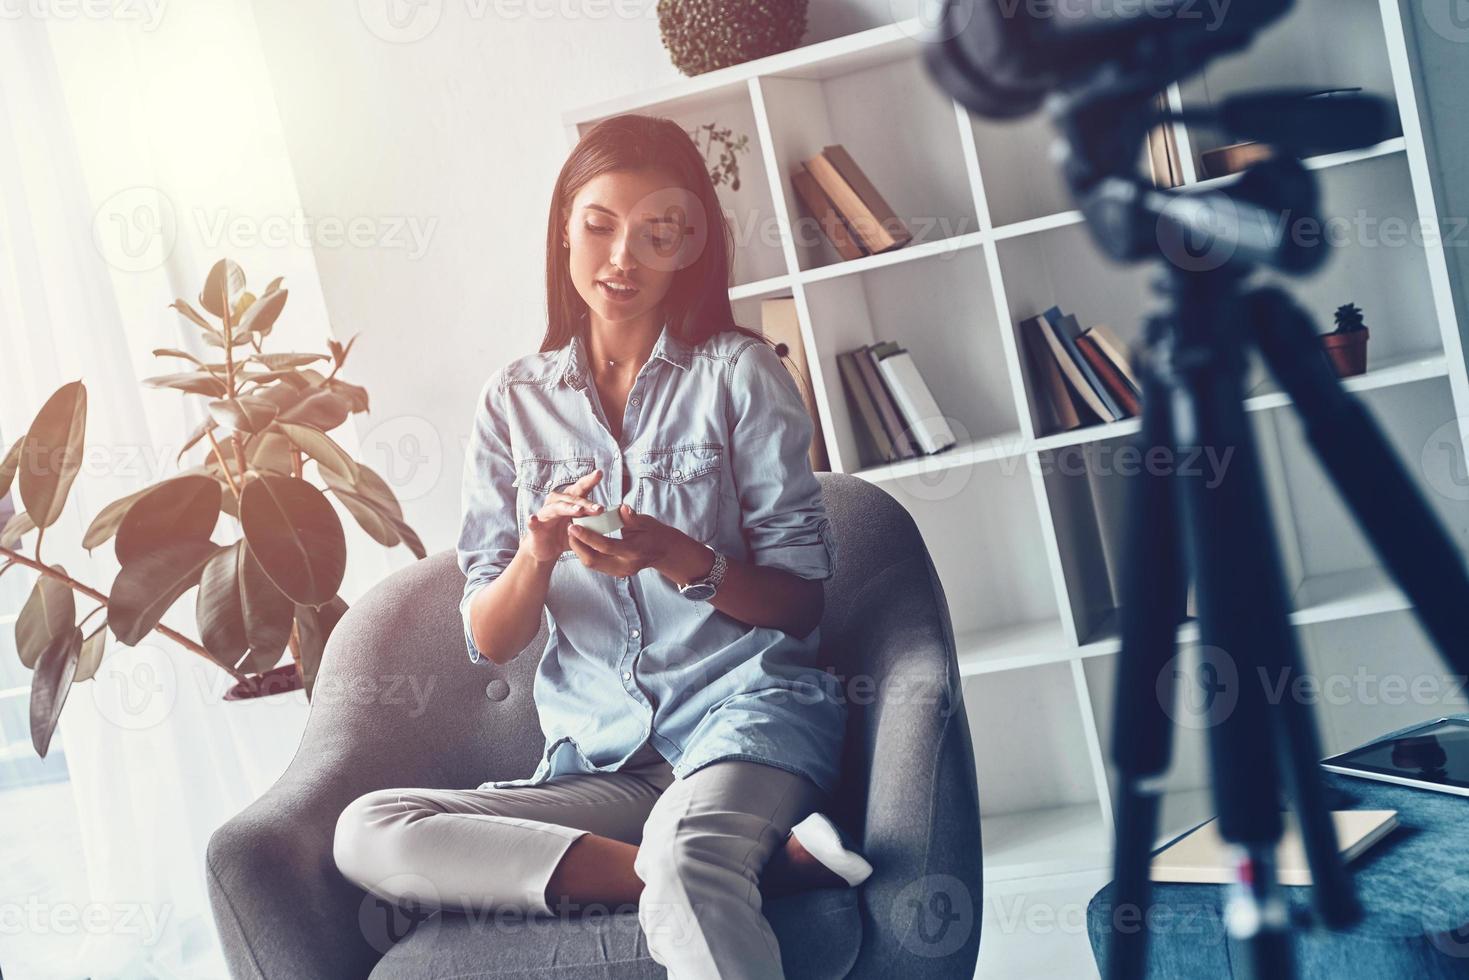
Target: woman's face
(630, 232)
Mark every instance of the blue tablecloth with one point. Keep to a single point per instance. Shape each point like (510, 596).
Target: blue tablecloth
(1413, 885)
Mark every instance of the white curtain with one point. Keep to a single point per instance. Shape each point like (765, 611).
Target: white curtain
(136, 149)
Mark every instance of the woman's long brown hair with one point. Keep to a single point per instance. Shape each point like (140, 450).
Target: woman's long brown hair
(697, 305)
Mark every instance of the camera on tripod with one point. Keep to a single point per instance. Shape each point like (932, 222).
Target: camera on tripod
(1097, 67)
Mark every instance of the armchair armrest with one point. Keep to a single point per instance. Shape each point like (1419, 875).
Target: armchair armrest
(396, 703)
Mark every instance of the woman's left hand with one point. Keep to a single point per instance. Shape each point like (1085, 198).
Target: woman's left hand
(646, 543)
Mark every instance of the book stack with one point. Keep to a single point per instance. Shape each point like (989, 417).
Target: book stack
(851, 213)
(779, 323)
(1084, 376)
(894, 413)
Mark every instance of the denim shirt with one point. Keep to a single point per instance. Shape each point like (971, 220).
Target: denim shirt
(715, 441)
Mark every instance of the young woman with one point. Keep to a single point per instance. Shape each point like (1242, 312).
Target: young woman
(690, 738)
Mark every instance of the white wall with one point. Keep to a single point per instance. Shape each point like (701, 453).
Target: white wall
(458, 132)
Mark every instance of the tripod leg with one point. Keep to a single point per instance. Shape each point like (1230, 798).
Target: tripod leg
(1152, 607)
(1391, 510)
(1243, 618)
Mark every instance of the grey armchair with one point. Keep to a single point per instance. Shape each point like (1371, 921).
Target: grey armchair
(399, 704)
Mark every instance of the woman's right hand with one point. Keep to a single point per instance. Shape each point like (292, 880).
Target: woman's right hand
(546, 539)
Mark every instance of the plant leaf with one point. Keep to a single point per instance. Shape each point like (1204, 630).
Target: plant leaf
(320, 447)
(91, 656)
(273, 285)
(217, 608)
(50, 686)
(20, 523)
(295, 535)
(192, 314)
(104, 525)
(371, 486)
(194, 382)
(313, 628)
(270, 452)
(245, 413)
(278, 361)
(241, 305)
(262, 315)
(145, 589)
(267, 612)
(236, 339)
(9, 464)
(53, 453)
(377, 524)
(185, 508)
(355, 395)
(204, 429)
(49, 612)
(222, 287)
(321, 409)
(175, 352)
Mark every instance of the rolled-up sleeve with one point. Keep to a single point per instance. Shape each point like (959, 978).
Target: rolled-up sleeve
(488, 536)
(781, 508)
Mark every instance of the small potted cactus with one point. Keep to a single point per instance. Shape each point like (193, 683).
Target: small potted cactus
(1346, 346)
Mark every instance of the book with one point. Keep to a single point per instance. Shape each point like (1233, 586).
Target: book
(1163, 157)
(887, 406)
(1201, 856)
(1225, 160)
(865, 210)
(819, 207)
(871, 435)
(1116, 352)
(906, 383)
(1089, 406)
(778, 322)
(1050, 385)
(1116, 382)
(1066, 330)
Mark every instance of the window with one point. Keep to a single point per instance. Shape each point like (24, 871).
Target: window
(41, 862)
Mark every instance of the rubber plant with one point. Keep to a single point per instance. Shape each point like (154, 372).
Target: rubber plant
(273, 589)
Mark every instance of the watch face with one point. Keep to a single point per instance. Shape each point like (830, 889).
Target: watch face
(701, 590)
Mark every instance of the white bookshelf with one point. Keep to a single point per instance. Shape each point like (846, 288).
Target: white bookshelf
(1023, 533)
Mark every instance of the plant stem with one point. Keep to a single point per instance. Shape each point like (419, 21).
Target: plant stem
(92, 593)
(223, 468)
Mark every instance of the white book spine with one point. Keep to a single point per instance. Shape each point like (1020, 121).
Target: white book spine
(916, 402)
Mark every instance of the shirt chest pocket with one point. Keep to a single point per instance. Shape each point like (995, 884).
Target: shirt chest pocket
(536, 477)
(681, 487)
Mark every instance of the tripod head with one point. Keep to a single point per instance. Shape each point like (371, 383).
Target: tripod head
(1098, 75)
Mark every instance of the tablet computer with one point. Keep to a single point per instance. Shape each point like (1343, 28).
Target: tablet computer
(1433, 756)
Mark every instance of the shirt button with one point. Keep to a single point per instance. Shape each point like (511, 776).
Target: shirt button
(627, 675)
(635, 634)
(678, 474)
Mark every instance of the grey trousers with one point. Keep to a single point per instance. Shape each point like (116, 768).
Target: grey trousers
(704, 841)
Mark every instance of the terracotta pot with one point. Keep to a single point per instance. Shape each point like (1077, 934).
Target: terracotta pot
(278, 680)
(1347, 352)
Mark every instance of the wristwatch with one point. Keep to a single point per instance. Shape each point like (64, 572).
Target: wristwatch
(704, 588)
